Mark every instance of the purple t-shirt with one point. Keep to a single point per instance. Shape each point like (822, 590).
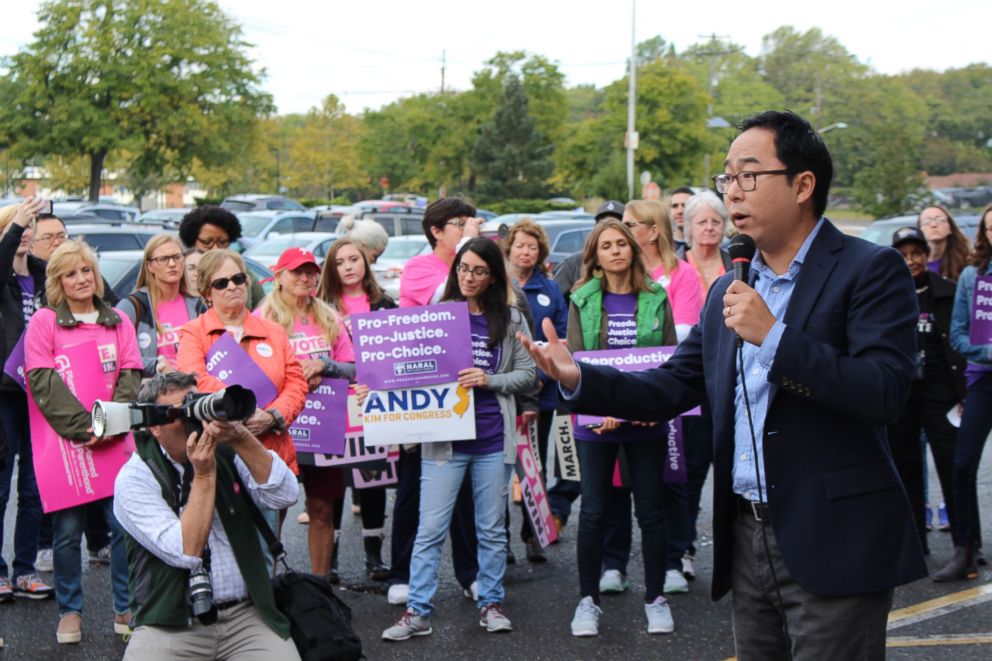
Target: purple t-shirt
(934, 265)
(488, 419)
(621, 332)
(26, 283)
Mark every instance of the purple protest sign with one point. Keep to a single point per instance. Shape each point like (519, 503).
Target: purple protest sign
(625, 360)
(227, 361)
(412, 347)
(981, 311)
(320, 425)
(675, 471)
(14, 365)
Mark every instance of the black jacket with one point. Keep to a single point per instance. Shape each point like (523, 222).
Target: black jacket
(942, 293)
(11, 309)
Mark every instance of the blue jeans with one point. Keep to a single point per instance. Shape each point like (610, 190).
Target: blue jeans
(975, 424)
(67, 558)
(14, 417)
(439, 486)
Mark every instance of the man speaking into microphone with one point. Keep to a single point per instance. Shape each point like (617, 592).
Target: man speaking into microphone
(812, 527)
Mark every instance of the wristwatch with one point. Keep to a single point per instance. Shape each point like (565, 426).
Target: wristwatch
(278, 422)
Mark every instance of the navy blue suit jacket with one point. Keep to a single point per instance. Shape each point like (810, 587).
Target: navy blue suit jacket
(843, 368)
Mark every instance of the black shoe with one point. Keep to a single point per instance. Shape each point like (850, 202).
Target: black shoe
(333, 576)
(962, 566)
(374, 566)
(510, 558)
(534, 551)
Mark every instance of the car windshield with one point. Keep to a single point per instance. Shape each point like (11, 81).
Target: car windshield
(277, 246)
(236, 205)
(402, 249)
(253, 223)
(113, 269)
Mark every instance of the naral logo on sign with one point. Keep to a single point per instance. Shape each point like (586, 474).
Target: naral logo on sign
(415, 367)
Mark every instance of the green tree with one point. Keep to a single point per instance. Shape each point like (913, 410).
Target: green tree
(511, 156)
(166, 81)
(323, 152)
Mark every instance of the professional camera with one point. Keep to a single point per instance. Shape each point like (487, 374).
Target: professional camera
(201, 596)
(230, 404)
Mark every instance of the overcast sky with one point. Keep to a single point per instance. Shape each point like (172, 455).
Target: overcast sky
(372, 52)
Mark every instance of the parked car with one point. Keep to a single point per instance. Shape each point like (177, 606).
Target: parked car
(121, 271)
(881, 231)
(400, 221)
(328, 219)
(106, 238)
(109, 211)
(268, 251)
(564, 236)
(389, 267)
(382, 205)
(169, 217)
(258, 226)
(256, 202)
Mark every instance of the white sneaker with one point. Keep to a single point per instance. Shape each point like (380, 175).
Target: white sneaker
(472, 592)
(688, 568)
(613, 582)
(659, 616)
(44, 561)
(398, 594)
(585, 622)
(675, 582)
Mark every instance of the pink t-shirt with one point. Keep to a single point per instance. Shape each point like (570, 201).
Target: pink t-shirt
(117, 347)
(682, 287)
(308, 341)
(171, 316)
(421, 277)
(355, 304)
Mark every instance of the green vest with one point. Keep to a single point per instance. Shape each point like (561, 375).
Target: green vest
(650, 314)
(160, 592)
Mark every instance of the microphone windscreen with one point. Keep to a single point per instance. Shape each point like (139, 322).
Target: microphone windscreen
(741, 247)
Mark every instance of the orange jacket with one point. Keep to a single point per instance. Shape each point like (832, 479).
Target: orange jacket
(276, 359)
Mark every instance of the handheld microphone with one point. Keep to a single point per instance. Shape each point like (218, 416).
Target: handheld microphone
(741, 251)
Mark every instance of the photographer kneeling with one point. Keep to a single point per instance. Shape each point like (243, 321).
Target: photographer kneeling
(188, 525)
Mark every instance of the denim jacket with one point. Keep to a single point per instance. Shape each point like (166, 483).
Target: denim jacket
(961, 319)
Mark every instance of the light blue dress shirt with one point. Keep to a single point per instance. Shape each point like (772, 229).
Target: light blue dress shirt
(775, 291)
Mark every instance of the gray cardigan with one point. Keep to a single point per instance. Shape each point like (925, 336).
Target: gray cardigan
(146, 329)
(514, 375)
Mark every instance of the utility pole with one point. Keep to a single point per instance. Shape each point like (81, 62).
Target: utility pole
(443, 63)
(632, 137)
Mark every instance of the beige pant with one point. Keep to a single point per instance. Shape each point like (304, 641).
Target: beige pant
(239, 633)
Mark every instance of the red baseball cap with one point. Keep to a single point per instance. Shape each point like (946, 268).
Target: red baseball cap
(293, 258)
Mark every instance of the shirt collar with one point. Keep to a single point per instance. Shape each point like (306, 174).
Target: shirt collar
(762, 269)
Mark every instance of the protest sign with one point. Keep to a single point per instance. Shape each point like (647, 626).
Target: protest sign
(412, 347)
(87, 473)
(981, 311)
(14, 365)
(443, 412)
(535, 497)
(320, 425)
(568, 458)
(230, 363)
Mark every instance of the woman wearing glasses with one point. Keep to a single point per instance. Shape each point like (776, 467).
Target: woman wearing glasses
(161, 304)
(213, 228)
(705, 227)
(948, 245)
(615, 306)
(224, 288)
(501, 369)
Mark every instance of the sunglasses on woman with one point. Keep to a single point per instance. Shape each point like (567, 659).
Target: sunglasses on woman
(221, 283)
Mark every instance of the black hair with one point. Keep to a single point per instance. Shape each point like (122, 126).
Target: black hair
(193, 222)
(443, 210)
(682, 189)
(495, 301)
(48, 216)
(800, 149)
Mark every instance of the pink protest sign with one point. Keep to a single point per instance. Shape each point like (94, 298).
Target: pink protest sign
(227, 361)
(321, 424)
(412, 347)
(87, 474)
(14, 365)
(535, 497)
(981, 311)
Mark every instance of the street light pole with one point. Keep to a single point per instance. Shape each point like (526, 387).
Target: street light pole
(831, 127)
(632, 137)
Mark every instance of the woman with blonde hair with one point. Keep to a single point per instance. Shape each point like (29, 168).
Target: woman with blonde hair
(161, 303)
(323, 348)
(615, 306)
(78, 318)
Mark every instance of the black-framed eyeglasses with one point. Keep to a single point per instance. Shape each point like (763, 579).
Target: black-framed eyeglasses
(210, 243)
(478, 271)
(221, 284)
(166, 259)
(746, 180)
